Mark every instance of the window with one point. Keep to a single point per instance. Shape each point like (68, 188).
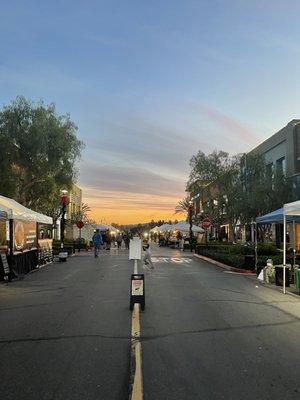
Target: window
(281, 166)
(269, 170)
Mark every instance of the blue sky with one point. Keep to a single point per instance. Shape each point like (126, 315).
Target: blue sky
(151, 82)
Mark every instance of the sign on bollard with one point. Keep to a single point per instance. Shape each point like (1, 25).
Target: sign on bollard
(135, 249)
(137, 290)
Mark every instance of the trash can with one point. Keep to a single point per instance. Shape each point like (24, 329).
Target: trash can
(250, 262)
(297, 279)
(279, 275)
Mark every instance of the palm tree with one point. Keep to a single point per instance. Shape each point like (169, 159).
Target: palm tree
(82, 214)
(182, 206)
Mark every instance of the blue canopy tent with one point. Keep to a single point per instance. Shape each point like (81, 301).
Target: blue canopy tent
(289, 213)
(275, 216)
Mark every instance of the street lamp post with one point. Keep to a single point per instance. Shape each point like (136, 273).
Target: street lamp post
(64, 202)
(191, 207)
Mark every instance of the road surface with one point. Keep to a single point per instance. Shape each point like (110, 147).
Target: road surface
(205, 333)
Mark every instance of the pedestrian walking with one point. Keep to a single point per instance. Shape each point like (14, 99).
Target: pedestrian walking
(127, 241)
(97, 242)
(108, 241)
(103, 234)
(147, 256)
(181, 244)
(119, 240)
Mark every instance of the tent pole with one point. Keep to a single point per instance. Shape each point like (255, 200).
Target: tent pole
(284, 249)
(294, 234)
(256, 247)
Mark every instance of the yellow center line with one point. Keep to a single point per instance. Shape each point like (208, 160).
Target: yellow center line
(136, 351)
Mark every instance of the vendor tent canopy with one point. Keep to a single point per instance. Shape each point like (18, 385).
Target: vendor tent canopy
(104, 227)
(290, 211)
(15, 210)
(276, 216)
(155, 229)
(184, 226)
(165, 227)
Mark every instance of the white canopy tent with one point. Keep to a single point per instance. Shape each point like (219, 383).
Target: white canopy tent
(15, 210)
(104, 227)
(165, 227)
(184, 226)
(290, 210)
(155, 229)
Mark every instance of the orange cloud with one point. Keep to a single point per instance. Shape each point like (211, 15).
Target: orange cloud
(129, 208)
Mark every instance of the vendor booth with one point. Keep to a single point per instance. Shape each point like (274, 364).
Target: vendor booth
(290, 213)
(184, 227)
(28, 236)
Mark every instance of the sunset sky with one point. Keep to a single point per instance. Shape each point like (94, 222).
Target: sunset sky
(149, 83)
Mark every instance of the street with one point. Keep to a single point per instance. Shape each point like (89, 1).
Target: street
(205, 333)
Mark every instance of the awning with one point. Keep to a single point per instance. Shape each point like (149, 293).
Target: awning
(277, 216)
(183, 226)
(15, 210)
(165, 227)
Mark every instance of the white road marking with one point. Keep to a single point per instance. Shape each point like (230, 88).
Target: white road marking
(175, 260)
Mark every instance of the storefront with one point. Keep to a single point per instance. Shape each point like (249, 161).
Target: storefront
(25, 236)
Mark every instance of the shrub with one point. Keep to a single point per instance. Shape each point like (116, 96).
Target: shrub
(234, 255)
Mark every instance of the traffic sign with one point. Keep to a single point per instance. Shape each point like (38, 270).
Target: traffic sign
(206, 223)
(80, 224)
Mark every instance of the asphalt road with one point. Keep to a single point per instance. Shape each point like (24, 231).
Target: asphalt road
(206, 334)
(65, 331)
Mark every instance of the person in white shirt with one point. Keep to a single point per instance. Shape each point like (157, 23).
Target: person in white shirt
(147, 256)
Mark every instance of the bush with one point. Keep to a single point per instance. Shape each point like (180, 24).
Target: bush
(234, 255)
(68, 246)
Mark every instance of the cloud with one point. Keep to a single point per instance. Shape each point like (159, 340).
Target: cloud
(227, 124)
(142, 163)
(129, 180)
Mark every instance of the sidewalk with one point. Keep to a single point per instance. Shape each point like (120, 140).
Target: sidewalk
(252, 275)
(225, 266)
(291, 290)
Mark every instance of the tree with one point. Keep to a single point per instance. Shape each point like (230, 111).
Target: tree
(82, 214)
(214, 176)
(39, 156)
(183, 206)
(207, 168)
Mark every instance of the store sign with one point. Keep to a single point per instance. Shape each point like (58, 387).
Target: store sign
(24, 235)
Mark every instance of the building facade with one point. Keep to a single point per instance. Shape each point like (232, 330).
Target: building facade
(73, 208)
(281, 152)
(75, 201)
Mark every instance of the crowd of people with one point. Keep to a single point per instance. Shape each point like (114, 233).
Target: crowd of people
(105, 240)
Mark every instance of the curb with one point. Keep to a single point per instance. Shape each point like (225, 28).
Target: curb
(276, 288)
(225, 266)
